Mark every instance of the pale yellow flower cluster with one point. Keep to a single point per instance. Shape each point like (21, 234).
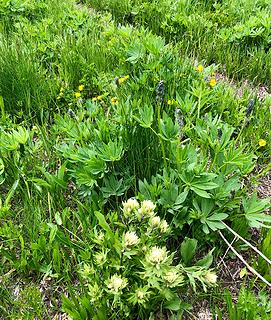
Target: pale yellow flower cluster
(156, 255)
(147, 208)
(156, 222)
(117, 283)
(129, 206)
(211, 277)
(130, 239)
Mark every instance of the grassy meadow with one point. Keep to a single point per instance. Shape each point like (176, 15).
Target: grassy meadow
(135, 159)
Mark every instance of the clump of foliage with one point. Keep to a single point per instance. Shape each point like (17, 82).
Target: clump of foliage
(128, 270)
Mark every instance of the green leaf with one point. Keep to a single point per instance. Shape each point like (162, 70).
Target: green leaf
(173, 305)
(145, 118)
(95, 165)
(205, 185)
(188, 250)
(135, 52)
(53, 231)
(169, 128)
(201, 193)
(254, 211)
(58, 218)
(112, 151)
(206, 261)
(103, 223)
(218, 216)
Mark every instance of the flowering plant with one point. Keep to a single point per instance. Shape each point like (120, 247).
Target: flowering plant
(129, 269)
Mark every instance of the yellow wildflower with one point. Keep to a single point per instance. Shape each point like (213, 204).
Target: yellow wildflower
(100, 98)
(170, 102)
(262, 143)
(77, 95)
(123, 79)
(81, 87)
(212, 82)
(200, 68)
(115, 101)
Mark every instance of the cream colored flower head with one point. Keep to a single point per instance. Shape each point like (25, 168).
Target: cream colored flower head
(155, 222)
(129, 206)
(157, 255)
(211, 277)
(140, 294)
(164, 226)
(116, 283)
(171, 276)
(130, 239)
(147, 208)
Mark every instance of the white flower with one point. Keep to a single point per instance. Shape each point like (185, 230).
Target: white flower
(147, 208)
(129, 206)
(155, 222)
(163, 226)
(157, 255)
(117, 283)
(131, 239)
(211, 277)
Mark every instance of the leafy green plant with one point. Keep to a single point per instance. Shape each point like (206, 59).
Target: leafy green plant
(128, 272)
(248, 306)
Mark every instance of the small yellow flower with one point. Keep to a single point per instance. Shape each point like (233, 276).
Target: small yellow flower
(200, 68)
(262, 143)
(123, 79)
(171, 276)
(170, 102)
(100, 98)
(77, 95)
(115, 101)
(212, 82)
(81, 87)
